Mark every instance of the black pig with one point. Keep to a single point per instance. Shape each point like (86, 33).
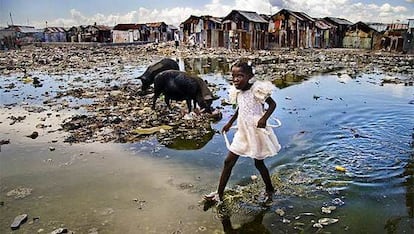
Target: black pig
(178, 85)
(148, 77)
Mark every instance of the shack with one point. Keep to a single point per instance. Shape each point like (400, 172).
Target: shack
(192, 28)
(361, 36)
(323, 34)
(292, 29)
(97, 33)
(206, 30)
(55, 34)
(245, 30)
(7, 39)
(27, 34)
(408, 46)
(158, 32)
(338, 32)
(129, 33)
(395, 35)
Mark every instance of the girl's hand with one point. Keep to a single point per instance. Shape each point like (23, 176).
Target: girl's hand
(261, 123)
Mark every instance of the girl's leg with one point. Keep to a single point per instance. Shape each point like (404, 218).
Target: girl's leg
(225, 174)
(265, 175)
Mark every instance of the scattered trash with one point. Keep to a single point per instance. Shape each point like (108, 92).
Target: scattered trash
(328, 210)
(18, 220)
(34, 135)
(280, 212)
(149, 131)
(340, 168)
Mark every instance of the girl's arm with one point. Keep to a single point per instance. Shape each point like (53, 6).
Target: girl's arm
(230, 123)
(272, 106)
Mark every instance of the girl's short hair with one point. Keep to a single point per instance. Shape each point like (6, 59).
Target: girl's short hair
(245, 67)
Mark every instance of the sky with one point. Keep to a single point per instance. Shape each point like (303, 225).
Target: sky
(67, 13)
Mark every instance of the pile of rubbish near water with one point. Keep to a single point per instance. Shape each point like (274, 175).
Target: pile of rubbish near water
(121, 115)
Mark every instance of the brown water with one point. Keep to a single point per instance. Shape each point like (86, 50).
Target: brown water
(88, 187)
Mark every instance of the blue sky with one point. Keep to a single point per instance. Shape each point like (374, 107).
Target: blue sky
(80, 12)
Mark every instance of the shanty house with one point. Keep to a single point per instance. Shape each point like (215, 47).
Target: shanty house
(171, 30)
(97, 33)
(361, 36)
(292, 29)
(338, 32)
(7, 39)
(323, 34)
(192, 29)
(157, 31)
(206, 30)
(245, 30)
(55, 34)
(27, 34)
(395, 36)
(408, 46)
(74, 34)
(129, 33)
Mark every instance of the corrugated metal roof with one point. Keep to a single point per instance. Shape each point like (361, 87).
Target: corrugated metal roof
(286, 11)
(125, 27)
(192, 19)
(155, 24)
(305, 16)
(252, 16)
(339, 20)
(55, 29)
(378, 26)
(397, 26)
(172, 27)
(102, 27)
(24, 29)
(322, 24)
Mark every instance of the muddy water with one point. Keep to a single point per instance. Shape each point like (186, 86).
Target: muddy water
(87, 187)
(327, 121)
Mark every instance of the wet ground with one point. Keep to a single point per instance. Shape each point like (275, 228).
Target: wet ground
(90, 168)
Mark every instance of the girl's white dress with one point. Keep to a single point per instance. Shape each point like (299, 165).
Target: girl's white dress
(250, 141)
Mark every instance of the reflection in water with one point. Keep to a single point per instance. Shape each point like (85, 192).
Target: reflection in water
(181, 142)
(201, 66)
(255, 226)
(288, 80)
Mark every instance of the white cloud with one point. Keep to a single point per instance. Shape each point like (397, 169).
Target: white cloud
(259, 6)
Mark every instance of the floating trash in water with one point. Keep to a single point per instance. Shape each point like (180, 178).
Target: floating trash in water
(327, 221)
(18, 220)
(280, 212)
(340, 168)
(338, 202)
(328, 210)
(253, 177)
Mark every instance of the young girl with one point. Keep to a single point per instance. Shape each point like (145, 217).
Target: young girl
(252, 139)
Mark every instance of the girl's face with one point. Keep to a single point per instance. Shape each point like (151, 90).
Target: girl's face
(240, 78)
